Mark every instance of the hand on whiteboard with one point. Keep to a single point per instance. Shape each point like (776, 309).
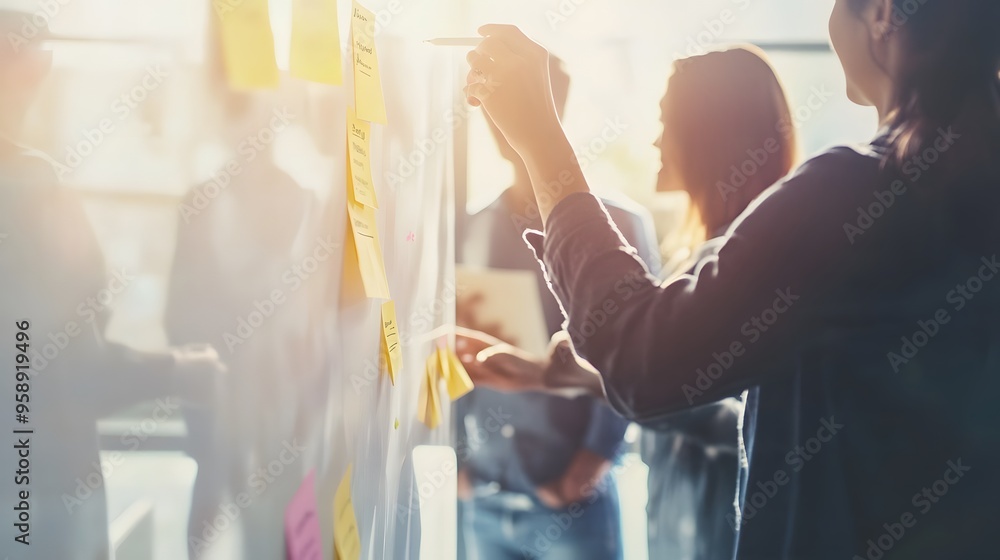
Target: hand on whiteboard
(509, 78)
(198, 373)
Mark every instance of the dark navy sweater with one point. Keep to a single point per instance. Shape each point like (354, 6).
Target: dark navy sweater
(865, 306)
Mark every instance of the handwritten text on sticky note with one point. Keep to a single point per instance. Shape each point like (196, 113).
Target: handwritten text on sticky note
(359, 161)
(390, 340)
(367, 79)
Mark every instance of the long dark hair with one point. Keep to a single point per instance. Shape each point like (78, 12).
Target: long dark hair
(946, 56)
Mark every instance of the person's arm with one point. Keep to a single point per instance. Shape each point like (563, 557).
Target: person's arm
(706, 336)
(607, 428)
(605, 431)
(112, 376)
(751, 304)
(192, 373)
(603, 439)
(493, 363)
(509, 78)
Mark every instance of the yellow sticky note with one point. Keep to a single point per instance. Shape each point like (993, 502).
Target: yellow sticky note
(456, 378)
(435, 398)
(390, 339)
(247, 44)
(423, 409)
(368, 250)
(429, 406)
(367, 80)
(315, 49)
(346, 539)
(359, 167)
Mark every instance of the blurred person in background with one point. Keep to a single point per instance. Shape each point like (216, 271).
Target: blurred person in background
(552, 455)
(727, 136)
(53, 272)
(240, 235)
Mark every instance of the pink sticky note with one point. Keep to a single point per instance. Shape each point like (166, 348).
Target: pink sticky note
(303, 539)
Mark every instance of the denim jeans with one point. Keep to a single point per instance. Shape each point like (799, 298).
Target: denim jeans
(692, 498)
(511, 526)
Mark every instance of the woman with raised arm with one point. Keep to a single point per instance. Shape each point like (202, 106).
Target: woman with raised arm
(722, 110)
(862, 286)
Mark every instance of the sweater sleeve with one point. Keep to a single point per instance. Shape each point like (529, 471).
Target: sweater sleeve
(708, 335)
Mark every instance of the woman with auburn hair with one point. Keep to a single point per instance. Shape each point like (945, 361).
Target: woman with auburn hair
(863, 289)
(727, 136)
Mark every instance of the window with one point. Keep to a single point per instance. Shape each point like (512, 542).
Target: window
(619, 56)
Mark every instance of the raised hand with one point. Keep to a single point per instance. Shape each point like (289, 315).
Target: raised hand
(509, 78)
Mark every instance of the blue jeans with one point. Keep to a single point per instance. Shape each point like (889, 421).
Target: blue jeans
(510, 526)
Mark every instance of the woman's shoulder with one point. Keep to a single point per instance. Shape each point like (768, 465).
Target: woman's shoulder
(844, 159)
(835, 172)
(821, 194)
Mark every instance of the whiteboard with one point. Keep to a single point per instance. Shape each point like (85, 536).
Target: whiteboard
(416, 227)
